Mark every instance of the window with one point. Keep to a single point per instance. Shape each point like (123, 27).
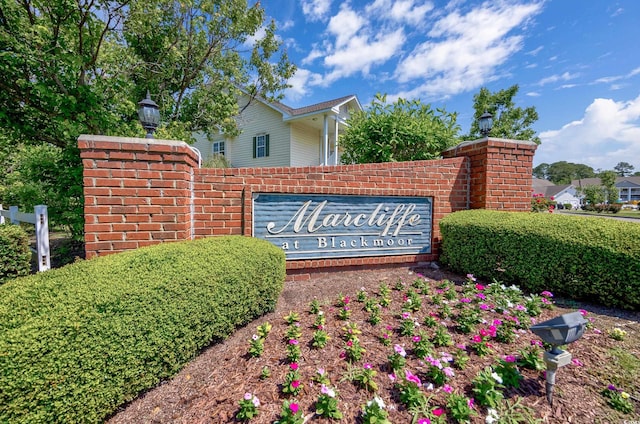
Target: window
(261, 146)
(218, 148)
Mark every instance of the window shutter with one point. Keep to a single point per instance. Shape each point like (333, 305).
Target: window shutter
(266, 145)
(255, 147)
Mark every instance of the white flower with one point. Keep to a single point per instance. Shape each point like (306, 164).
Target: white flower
(377, 400)
(320, 313)
(496, 377)
(492, 416)
(255, 337)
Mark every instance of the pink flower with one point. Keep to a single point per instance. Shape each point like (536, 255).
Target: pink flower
(424, 421)
(295, 384)
(471, 277)
(547, 294)
(343, 355)
(461, 346)
(416, 339)
(471, 402)
(577, 362)
(392, 377)
(367, 366)
(520, 308)
(293, 366)
(479, 287)
(248, 396)
(484, 332)
(595, 330)
(437, 412)
(476, 338)
(465, 300)
(293, 342)
(412, 378)
(294, 408)
(510, 358)
(447, 388)
(583, 312)
(405, 315)
(400, 350)
(481, 296)
(497, 322)
(320, 371)
(536, 343)
(448, 371)
(349, 343)
(484, 306)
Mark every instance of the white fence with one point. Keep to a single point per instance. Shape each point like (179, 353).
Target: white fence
(41, 220)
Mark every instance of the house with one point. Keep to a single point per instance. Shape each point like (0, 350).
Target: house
(273, 134)
(561, 194)
(628, 187)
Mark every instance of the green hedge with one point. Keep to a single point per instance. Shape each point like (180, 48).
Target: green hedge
(78, 341)
(591, 259)
(15, 256)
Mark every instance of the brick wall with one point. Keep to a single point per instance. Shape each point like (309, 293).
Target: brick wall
(140, 192)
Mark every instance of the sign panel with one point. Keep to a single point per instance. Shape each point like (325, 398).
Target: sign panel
(313, 226)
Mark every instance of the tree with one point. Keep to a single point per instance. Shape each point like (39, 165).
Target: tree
(608, 180)
(594, 194)
(541, 171)
(509, 121)
(564, 172)
(623, 169)
(401, 131)
(68, 68)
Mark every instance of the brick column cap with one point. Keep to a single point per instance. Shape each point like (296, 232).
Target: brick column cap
(145, 144)
(489, 140)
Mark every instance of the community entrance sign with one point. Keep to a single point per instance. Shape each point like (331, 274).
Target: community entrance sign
(311, 226)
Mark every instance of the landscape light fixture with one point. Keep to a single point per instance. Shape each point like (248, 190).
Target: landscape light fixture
(149, 115)
(556, 332)
(485, 123)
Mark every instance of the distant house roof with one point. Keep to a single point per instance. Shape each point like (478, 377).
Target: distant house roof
(547, 188)
(620, 182)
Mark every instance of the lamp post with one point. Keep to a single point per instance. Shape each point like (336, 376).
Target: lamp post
(149, 115)
(485, 123)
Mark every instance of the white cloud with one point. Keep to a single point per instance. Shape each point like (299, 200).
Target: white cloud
(608, 133)
(345, 25)
(301, 82)
(316, 10)
(464, 50)
(401, 11)
(361, 53)
(533, 94)
(556, 78)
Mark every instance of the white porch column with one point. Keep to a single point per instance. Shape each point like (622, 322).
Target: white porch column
(335, 144)
(325, 136)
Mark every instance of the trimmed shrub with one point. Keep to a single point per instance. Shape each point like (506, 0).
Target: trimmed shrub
(581, 258)
(78, 341)
(15, 256)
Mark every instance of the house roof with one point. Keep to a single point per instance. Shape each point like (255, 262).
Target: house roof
(319, 107)
(547, 188)
(620, 182)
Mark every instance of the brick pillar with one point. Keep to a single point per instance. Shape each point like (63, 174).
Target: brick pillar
(137, 192)
(500, 172)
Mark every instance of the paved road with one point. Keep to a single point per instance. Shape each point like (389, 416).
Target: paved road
(603, 215)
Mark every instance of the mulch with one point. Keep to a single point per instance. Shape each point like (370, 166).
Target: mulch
(208, 389)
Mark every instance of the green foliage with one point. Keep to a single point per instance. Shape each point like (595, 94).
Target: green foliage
(593, 194)
(401, 131)
(563, 172)
(608, 180)
(15, 256)
(509, 121)
(46, 175)
(623, 169)
(81, 340)
(72, 68)
(579, 258)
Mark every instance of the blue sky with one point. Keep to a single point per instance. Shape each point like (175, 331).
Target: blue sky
(576, 61)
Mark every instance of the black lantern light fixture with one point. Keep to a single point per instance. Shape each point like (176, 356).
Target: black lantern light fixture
(485, 123)
(149, 115)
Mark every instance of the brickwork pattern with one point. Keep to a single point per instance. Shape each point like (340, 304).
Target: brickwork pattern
(140, 192)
